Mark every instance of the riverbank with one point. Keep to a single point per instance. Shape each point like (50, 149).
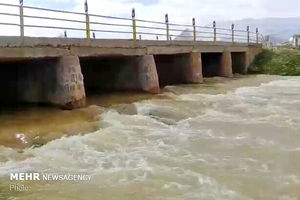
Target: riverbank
(280, 61)
(35, 126)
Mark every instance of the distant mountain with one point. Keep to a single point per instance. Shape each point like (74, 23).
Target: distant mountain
(186, 34)
(279, 29)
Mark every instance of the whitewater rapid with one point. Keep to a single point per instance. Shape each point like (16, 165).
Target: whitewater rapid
(186, 144)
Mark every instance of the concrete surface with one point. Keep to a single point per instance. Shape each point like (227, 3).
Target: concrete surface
(13, 48)
(61, 70)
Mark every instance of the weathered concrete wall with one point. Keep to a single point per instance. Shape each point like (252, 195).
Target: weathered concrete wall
(226, 65)
(120, 73)
(147, 73)
(193, 68)
(69, 88)
(179, 68)
(54, 81)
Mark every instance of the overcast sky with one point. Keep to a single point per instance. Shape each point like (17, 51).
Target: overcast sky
(180, 11)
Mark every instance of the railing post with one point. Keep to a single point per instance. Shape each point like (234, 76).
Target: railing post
(257, 36)
(167, 25)
(133, 25)
(215, 31)
(194, 29)
(248, 34)
(87, 17)
(232, 29)
(21, 19)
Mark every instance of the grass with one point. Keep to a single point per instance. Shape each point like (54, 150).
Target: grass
(284, 62)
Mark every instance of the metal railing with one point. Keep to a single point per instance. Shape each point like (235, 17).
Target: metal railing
(135, 29)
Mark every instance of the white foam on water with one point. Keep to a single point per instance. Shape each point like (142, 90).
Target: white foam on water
(240, 145)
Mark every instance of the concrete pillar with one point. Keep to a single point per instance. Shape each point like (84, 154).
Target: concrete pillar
(226, 65)
(69, 90)
(147, 76)
(193, 69)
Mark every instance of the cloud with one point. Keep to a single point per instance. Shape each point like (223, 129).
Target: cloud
(143, 2)
(61, 4)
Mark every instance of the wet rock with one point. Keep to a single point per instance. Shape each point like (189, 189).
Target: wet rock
(93, 112)
(38, 141)
(128, 109)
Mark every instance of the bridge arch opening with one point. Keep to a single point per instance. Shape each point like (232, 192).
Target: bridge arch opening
(27, 81)
(239, 62)
(118, 73)
(211, 64)
(48, 81)
(178, 68)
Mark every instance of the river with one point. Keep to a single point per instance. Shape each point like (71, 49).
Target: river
(224, 139)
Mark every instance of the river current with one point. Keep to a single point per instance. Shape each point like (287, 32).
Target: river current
(224, 139)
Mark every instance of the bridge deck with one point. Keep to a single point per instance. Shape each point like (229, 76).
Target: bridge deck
(15, 48)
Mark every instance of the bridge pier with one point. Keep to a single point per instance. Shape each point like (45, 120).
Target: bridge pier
(226, 65)
(147, 74)
(69, 90)
(193, 68)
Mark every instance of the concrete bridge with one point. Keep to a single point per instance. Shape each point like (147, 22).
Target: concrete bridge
(63, 71)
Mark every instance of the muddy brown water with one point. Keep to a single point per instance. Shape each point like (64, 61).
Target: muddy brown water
(224, 139)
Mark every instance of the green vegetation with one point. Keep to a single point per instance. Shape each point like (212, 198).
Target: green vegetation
(282, 61)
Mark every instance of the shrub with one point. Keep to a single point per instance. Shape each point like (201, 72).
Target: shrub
(284, 62)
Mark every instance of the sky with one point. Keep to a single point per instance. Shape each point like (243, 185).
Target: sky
(180, 11)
